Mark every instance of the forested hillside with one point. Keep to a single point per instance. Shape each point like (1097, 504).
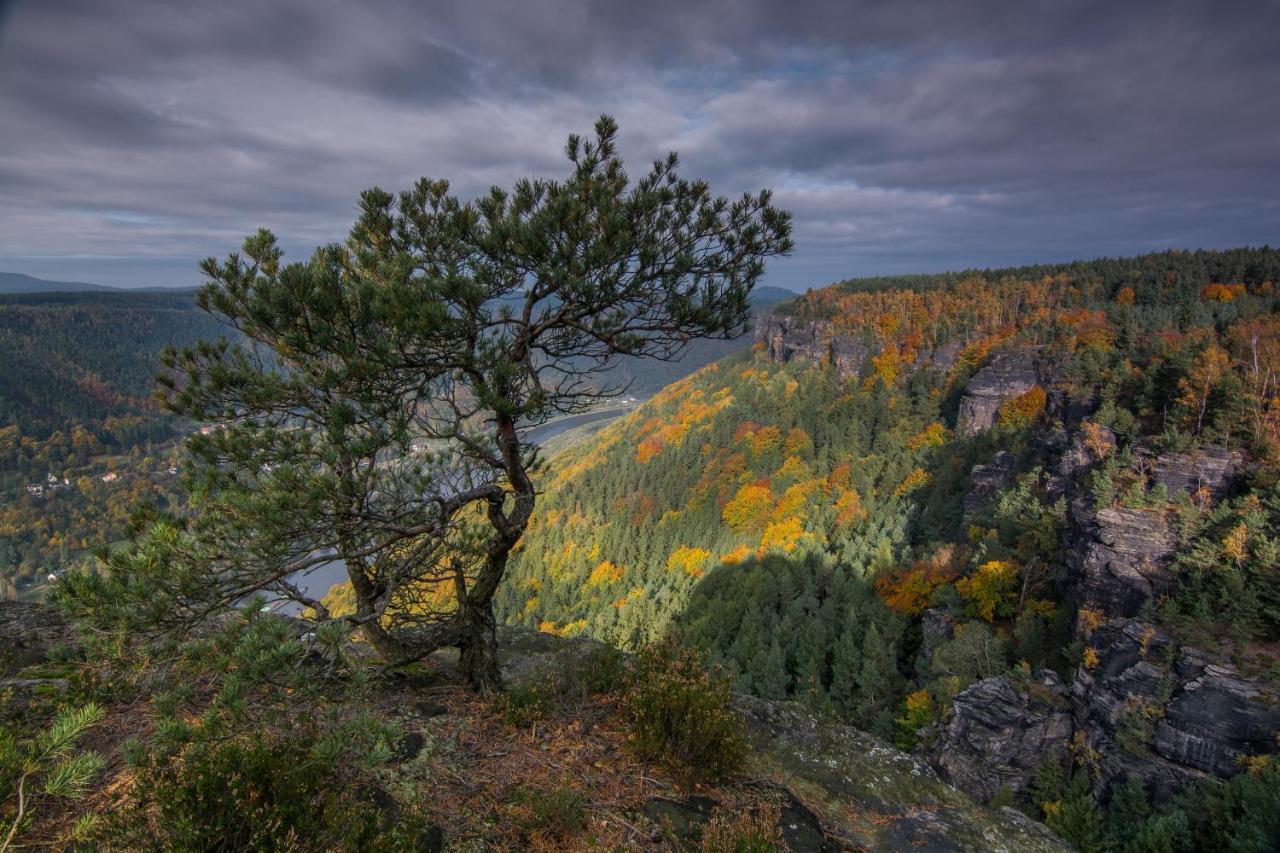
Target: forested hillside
(82, 441)
(77, 402)
(84, 358)
(913, 487)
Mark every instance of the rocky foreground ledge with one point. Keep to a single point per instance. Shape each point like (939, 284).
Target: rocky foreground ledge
(841, 788)
(847, 790)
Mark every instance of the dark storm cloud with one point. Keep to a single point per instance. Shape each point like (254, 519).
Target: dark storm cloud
(139, 135)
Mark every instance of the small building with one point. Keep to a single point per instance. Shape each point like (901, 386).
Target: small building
(35, 489)
(110, 477)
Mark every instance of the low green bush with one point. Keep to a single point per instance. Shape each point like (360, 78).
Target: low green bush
(558, 814)
(260, 793)
(680, 715)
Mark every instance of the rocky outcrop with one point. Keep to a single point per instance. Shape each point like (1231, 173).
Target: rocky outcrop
(1217, 717)
(987, 480)
(999, 733)
(28, 632)
(1210, 469)
(937, 626)
(789, 339)
(1088, 446)
(841, 788)
(1006, 376)
(1077, 453)
(1118, 557)
(870, 796)
(1169, 717)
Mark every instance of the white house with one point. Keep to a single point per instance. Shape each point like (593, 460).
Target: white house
(110, 477)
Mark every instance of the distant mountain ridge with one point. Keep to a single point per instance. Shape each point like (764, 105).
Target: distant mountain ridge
(16, 282)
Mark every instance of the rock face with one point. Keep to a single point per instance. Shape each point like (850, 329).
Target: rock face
(999, 734)
(1007, 375)
(985, 481)
(1216, 717)
(1119, 557)
(27, 634)
(1168, 716)
(1211, 469)
(792, 338)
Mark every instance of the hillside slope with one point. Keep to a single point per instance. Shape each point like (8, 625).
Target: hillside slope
(944, 508)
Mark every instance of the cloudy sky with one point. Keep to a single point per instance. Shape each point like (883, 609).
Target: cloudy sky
(138, 136)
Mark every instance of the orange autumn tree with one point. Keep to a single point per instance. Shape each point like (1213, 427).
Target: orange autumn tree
(1022, 409)
(908, 591)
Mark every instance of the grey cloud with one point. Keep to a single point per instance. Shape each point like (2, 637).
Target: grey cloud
(905, 135)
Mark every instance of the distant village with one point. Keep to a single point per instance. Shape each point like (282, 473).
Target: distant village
(53, 483)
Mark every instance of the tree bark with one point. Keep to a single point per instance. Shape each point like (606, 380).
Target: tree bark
(478, 648)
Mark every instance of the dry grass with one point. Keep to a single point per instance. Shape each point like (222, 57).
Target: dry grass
(481, 775)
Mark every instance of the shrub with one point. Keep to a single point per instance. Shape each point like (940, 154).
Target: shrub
(262, 793)
(599, 671)
(555, 815)
(523, 705)
(680, 715)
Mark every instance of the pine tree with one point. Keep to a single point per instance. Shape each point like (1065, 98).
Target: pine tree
(877, 686)
(453, 322)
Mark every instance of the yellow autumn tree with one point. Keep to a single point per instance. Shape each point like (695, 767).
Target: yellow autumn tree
(931, 436)
(749, 508)
(1196, 388)
(991, 591)
(1023, 409)
(604, 573)
(691, 561)
(782, 535)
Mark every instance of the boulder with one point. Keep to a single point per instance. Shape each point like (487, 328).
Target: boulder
(28, 633)
(1000, 732)
(1006, 376)
(1118, 557)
